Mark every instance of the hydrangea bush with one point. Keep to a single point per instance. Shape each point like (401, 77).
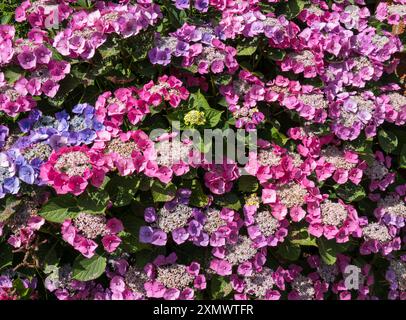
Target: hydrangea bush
(101, 199)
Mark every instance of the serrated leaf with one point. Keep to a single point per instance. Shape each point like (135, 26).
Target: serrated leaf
(108, 51)
(351, 192)
(198, 101)
(57, 209)
(294, 7)
(93, 201)
(213, 116)
(88, 269)
(327, 253)
(21, 288)
(12, 74)
(278, 137)
(130, 243)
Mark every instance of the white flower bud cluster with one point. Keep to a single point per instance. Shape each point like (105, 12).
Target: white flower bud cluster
(214, 220)
(174, 276)
(292, 195)
(135, 279)
(169, 220)
(259, 283)
(336, 157)
(122, 148)
(333, 213)
(376, 231)
(73, 163)
(241, 251)
(376, 171)
(266, 223)
(304, 287)
(91, 226)
(393, 205)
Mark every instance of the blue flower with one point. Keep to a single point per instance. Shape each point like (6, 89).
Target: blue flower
(9, 183)
(3, 135)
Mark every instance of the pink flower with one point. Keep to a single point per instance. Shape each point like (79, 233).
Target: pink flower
(114, 226)
(70, 169)
(85, 246)
(127, 151)
(219, 177)
(167, 88)
(111, 243)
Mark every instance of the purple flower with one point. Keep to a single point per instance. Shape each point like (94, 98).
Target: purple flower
(182, 4)
(202, 5)
(162, 57)
(27, 60)
(26, 174)
(3, 135)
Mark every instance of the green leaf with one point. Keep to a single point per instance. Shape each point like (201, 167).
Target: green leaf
(198, 101)
(223, 79)
(278, 137)
(123, 189)
(361, 144)
(21, 288)
(6, 256)
(48, 255)
(84, 3)
(132, 224)
(57, 209)
(329, 249)
(213, 116)
(387, 140)
(289, 251)
(130, 243)
(88, 269)
(12, 74)
(10, 207)
(229, 200)
(246, 50)
(220, 288)
(327, 252)
(248, 184)
(204, 146)
(351, 192)
(303, 238)
(162, 192)
(294, 7)
(198, 197)
(276, 55)
(93, 201)
(6, 18)
(107, 52)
